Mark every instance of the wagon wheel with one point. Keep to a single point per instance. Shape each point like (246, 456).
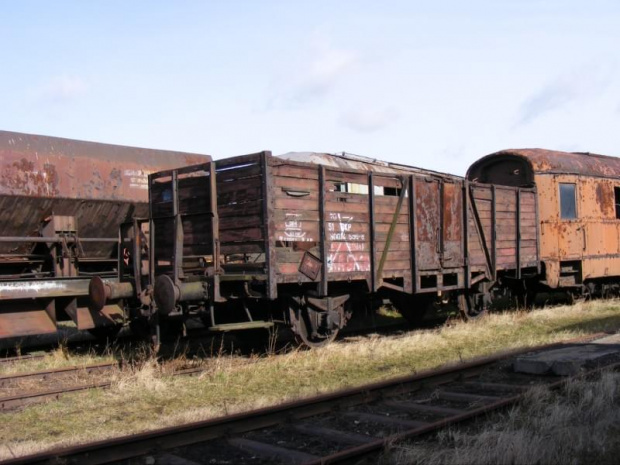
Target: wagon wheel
(311, 327)
(472, 305)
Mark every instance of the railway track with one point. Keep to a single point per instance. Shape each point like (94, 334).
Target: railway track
(65, 380)
(20, 358)
(331, 428)
(22, 389)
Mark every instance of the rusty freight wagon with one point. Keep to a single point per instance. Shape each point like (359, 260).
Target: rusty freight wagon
(304, 240)
(61, 204)
(579, 213)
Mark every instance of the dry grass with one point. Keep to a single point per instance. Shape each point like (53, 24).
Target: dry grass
(582, 425)
(145, 398)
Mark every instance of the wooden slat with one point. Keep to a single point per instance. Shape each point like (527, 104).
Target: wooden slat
(241, 235)
(344, 197)
(296, 183)
(235, 222)
(248, 208)
(346, 257)
(292, 203)
(231, 186)
(297, 172)
(237, 174)
(239, 195)
(393, 265)
(247, 247)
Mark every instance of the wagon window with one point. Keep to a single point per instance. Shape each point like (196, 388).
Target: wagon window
(568, 206)
(617, 196)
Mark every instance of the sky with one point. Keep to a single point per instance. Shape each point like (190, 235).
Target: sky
(434, 84)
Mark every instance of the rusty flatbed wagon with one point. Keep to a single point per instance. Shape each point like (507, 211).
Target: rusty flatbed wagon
(61, 204)
(252, 240)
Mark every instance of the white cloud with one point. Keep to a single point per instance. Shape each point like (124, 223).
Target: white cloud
(367, 120)
(313, 74)
(579, 85)
(61, 89)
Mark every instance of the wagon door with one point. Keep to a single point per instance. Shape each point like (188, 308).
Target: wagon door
(452, 224)
(428, 223)
(439, 224)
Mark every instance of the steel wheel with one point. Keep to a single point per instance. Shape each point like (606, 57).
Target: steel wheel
(311, 327)
(472, 305)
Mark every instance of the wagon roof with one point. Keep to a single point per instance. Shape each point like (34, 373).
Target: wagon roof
(556, 162)
(33, 146)
(348, 161)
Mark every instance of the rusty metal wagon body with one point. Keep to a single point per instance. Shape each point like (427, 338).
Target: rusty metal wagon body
(61, 204)
(293, 238)
(579, 213)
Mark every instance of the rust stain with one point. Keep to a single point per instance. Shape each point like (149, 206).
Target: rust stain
(24, 176)
(604, 199)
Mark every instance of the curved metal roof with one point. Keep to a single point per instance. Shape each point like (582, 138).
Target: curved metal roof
(556, 162)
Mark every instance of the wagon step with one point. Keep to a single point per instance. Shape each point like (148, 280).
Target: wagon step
(240, 326)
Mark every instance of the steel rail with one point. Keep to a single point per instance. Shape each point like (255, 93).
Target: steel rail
(382, 443)
(48, 374)
(20, 358)
(164, 439)
(13, 402)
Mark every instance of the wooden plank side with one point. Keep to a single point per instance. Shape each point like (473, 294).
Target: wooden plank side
(357, 217)
(345, 197)
(239, 195)
(297, 231)
(234, 184)
(289, 256)
(296, 183)
(482, 193)
(231, 175)
(395, 245)
(351, 246)
(332, 176)
(392, 255)
(241, 235)
(390, 266)
(245, 248)
(238, 161)
(296, 172)
(247, 208)
(293, 203)
(236, 222)
(280, 215)
(387, 200)
(503, 195)
(499, 206)
(345, 256)
(345, 207)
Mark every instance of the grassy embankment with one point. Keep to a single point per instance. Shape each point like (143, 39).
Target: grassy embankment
(145, 398)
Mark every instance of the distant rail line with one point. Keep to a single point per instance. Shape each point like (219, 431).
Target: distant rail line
(62, 378)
